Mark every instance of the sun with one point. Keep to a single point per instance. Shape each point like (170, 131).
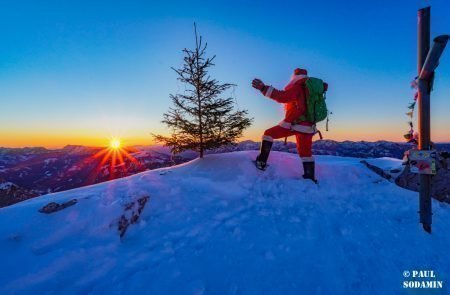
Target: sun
(115, 144)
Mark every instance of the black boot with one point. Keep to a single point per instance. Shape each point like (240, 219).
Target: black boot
(309, 171)
(261, 160)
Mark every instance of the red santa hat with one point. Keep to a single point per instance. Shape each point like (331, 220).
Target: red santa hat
(297, 75)
(299, 71)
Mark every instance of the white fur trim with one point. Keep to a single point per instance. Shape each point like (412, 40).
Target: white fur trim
(267, 138)
(304, 129)
(307, 159)
(285, 125)
(295, 78)
(269, 92)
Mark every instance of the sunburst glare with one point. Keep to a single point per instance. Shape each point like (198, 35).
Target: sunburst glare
(115, 144)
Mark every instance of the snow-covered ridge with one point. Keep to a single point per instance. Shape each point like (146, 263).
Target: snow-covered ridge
(6, 185)
(219, 226)
(38, 171)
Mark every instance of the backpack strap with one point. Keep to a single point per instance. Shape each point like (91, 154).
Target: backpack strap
(320, 134)
(328, 113)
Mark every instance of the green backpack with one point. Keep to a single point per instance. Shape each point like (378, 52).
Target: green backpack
(316, 107)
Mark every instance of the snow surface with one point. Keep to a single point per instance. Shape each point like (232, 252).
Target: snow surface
(387, 164)
(390, 166)
(219, 226)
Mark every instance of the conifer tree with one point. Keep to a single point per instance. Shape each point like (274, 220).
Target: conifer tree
(200, 119)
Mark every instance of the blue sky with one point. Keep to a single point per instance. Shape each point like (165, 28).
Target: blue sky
(78, 72)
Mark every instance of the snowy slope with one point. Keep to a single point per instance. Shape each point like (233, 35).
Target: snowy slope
(219, 226)
(387, 164)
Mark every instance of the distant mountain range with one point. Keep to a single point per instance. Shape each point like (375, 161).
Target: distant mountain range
(357, 149)
(30, 172)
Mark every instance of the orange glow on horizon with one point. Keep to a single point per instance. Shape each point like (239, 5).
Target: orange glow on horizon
(339, 133)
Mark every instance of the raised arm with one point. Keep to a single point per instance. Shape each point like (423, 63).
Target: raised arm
(281, 96)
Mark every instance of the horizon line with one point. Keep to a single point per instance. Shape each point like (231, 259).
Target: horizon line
(149, 145)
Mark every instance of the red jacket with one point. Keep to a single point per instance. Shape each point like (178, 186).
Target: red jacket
(294, 97)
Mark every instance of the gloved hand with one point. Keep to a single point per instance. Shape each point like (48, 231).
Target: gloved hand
(258, 84)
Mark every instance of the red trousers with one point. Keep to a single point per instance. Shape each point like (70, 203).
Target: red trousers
(304, 140)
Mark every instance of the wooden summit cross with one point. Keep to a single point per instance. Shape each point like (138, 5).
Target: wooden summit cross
(428, 60)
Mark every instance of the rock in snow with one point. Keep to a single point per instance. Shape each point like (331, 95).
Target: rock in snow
(219, 226)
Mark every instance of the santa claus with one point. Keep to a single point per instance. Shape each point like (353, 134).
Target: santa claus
(294, 96)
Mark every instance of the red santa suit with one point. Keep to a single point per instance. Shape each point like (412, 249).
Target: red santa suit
(294, 97)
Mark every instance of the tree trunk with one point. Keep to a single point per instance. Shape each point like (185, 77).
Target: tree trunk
(197, 88)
